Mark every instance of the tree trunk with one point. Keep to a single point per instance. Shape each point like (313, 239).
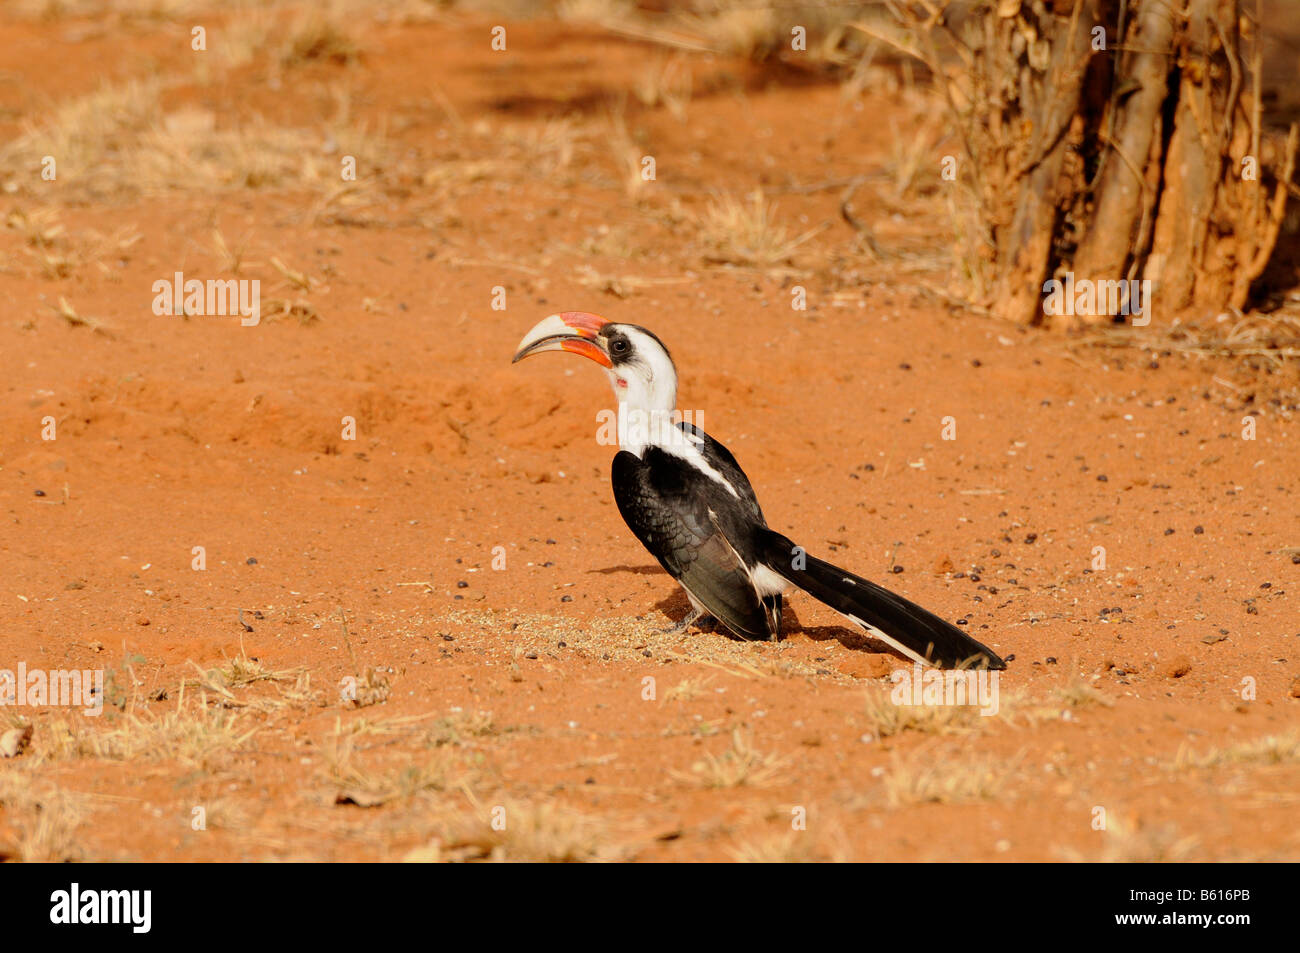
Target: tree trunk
(1111, 141)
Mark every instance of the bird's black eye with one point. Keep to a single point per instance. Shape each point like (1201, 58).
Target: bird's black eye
(618, 346)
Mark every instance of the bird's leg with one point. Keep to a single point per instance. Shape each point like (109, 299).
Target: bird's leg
(695, 616)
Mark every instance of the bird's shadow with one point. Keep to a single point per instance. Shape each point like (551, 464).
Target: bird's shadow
(677, 606)
(651, 570)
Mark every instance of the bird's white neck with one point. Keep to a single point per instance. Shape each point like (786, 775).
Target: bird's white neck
(646, 391)
(639, 428)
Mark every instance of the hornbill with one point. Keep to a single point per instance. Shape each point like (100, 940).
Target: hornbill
(685, 497)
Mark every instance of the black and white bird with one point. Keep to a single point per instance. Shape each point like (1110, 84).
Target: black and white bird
(685, 497)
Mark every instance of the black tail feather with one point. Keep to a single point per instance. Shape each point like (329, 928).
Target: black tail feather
(902, 623)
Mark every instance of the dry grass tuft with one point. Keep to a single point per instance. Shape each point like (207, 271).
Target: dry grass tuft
(118, 142)
(44, 819)
(58, 255)
(1127, 842)
(667, 82)
(300, 309)
(750, 30)
(688, 689)
(69, 314)
(792, 847)
(371, 687)
(364, 787)
(232, 259)
(1080, 692)
(885, 718)
(626, 152)
(1271, 337)
(319, 37)
(193, 734)
(1269, 750)
(240, 672)
(39, 228)
(933, 778)
(513, 831)
(594, 11)
(746, 233)
(459, 728)
(739, 765)
(292, 686)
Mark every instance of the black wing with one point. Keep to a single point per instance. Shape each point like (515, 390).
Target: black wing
(700, 533)
(720, 458)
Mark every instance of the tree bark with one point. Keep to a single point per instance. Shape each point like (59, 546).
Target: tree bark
(1114, 229)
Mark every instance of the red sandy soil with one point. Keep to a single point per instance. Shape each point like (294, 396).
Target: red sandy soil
(524, 688)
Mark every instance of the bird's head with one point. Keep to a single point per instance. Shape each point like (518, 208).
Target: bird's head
(639, 367)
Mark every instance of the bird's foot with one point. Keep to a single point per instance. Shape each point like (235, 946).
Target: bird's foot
(695, 616)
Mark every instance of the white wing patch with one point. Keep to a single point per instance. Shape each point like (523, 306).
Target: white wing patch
(693, 456)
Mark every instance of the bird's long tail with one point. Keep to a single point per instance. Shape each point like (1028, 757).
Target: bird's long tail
(917, 633)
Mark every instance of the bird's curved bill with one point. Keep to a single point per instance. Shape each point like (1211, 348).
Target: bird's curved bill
(573, 331)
